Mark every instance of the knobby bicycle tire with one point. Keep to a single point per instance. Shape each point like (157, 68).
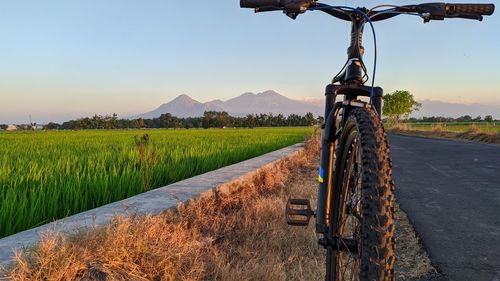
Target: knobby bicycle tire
(373, 188)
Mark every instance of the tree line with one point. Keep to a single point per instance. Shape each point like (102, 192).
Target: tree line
(461, 119)
(210, 119)
(396, 108)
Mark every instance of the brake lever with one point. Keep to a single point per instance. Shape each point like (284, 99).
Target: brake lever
(438, 11)
(467, 16)
(293, 8)
(428, 17)
(267, 9)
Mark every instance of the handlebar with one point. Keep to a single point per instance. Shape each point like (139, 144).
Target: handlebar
(428, 11)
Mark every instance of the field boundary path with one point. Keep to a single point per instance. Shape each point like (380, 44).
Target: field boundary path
(151, 202)
(450, 191)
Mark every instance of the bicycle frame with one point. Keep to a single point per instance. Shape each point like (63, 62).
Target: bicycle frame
(333, 179)
(351, 86)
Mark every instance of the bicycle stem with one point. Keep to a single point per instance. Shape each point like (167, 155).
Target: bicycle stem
(354, 70)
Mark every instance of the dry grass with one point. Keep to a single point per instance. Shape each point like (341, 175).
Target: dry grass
(242, 236)
(399, 126)
(474, 129)
(473, 133)
(438, 128)
(412, 260)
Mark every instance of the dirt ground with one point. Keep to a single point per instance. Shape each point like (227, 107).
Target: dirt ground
(242, 236)
(412, 262)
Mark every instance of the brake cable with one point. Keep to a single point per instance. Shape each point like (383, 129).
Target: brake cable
(367, 19)
(343, 8)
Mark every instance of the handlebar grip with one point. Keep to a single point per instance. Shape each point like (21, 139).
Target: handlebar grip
(478, 9)
(259, 3)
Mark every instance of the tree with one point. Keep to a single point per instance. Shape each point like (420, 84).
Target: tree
(465, 118)
(208, 119)
(216, 119)
(399, 104)
(113, 121)
(52, 126)
(310, 120)
(177, 123)
(293, 120)
(138, 123)
(488, 118)
(250, 121)
(167, 120)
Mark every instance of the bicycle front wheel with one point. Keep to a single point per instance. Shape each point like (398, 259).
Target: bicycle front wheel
(363, 212)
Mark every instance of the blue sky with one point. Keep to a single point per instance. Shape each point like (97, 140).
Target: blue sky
(64, 59)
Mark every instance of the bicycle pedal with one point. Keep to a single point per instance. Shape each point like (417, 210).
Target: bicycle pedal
(298, 212)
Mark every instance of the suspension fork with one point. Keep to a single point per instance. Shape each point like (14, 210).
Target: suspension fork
(351, 87)
(329, 141)
(327, 160)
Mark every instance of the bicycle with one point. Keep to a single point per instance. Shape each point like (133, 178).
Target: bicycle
(355, 212)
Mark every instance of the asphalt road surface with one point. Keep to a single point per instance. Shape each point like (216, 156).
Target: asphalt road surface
(451, 193)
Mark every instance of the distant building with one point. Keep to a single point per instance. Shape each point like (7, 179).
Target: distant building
(11, 127)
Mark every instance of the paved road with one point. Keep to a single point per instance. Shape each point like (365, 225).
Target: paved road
(451, 192)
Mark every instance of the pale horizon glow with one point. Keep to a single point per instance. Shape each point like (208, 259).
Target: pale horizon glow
(69, 59)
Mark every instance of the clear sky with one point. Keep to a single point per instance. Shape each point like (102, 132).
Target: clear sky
(63, 59)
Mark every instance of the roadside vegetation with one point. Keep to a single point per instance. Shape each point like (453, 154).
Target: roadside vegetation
(239, 236)
(50, 175)
(400, 104)
(456, 127)
(482, 132)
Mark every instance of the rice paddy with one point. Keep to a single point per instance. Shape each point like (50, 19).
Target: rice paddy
(50, 175)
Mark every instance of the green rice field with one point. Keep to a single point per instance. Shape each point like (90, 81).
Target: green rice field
(52, 174)
(457, 127)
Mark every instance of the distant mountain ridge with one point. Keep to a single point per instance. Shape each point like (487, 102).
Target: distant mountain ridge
(272, 102)
(447, 109)
(181, 106)
(248, 103)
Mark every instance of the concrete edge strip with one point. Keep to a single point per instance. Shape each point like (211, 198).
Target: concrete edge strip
(151, 202)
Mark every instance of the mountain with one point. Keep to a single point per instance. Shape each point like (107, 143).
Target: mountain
(247, 103)
(446, 109)
(266, 102)
(272, 102)
(182, 106)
